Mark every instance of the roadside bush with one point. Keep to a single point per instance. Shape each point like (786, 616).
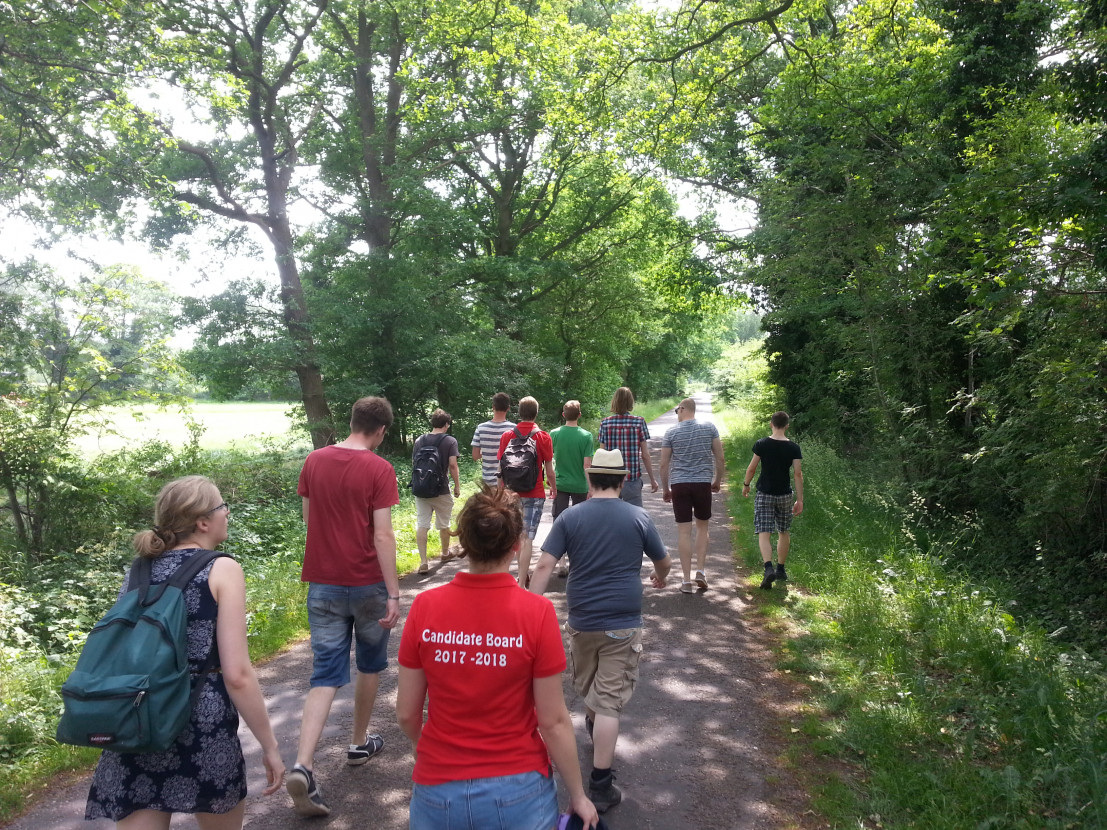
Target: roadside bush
(29, 701)
(741, 375)
(957, 712)
(53, 600)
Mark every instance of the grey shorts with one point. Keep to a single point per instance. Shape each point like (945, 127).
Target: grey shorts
(632, 491)
(772, 512)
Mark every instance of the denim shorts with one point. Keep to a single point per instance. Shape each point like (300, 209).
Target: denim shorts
(509, 802)
(338, 613)
(532, 515)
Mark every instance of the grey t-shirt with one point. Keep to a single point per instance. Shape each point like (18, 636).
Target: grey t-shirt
(605, 540)
(692, 458)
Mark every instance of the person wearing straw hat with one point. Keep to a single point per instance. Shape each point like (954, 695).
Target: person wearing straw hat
(605, 538)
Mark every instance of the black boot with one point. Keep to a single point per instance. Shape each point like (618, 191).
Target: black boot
(770, 575)
(602, 790)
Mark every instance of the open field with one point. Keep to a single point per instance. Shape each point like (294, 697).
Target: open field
(225, 424)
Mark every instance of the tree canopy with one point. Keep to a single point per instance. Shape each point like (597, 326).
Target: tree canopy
(461, 199)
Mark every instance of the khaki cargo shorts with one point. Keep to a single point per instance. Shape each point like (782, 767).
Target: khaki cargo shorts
(604, 665)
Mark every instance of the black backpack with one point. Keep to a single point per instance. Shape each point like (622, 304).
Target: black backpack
(519, 463)
(427, 476)
(131, 690)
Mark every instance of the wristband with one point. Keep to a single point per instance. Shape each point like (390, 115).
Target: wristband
(392, 597)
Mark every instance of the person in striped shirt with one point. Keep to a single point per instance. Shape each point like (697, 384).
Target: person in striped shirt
(486, 439)
(692, 468)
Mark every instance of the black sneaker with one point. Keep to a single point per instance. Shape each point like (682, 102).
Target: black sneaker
(770, 575)
(603, 793)
(306, 799)
(781, 574)
(358, 755)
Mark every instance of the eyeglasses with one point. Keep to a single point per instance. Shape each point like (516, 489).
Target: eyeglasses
(223, 506)
(678, 409)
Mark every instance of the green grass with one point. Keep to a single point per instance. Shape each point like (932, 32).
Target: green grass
(951, 714)
(225, 425)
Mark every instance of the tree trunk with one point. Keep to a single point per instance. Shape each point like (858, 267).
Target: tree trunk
(13, 504)
(294, 312)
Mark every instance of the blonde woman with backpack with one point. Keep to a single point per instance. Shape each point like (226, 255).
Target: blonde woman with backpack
(203, 772)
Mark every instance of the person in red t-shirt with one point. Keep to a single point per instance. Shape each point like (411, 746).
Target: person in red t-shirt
(532, 501)
(489, 658)
(353, 590)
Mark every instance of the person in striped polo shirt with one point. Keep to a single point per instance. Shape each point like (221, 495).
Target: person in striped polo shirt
(692, 469)
(486, 439)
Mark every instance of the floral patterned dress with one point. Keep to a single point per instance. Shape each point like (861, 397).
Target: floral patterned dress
(204, 771)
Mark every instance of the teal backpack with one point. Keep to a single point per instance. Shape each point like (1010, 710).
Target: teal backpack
(131, 689)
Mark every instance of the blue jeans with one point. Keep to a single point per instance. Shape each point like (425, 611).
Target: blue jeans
(337, 614)
(509, 802)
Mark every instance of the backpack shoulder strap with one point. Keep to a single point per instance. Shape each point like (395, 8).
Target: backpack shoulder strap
(192, 566)
(180, 579)
(139, 578)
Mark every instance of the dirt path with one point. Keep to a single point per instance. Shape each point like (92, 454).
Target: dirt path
(698, 745)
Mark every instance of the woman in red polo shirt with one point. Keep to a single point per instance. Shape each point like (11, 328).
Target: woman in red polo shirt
(489, 657)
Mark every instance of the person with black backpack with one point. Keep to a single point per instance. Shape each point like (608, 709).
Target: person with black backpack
(433, 456)
(525, 453)
(203, 770)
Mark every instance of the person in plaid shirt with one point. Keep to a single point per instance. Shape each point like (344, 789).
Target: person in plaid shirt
(630, 435)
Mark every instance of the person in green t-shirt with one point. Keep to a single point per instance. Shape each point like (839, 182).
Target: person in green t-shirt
(572, 447)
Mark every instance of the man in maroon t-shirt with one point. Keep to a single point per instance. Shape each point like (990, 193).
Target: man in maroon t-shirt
(353, 592)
